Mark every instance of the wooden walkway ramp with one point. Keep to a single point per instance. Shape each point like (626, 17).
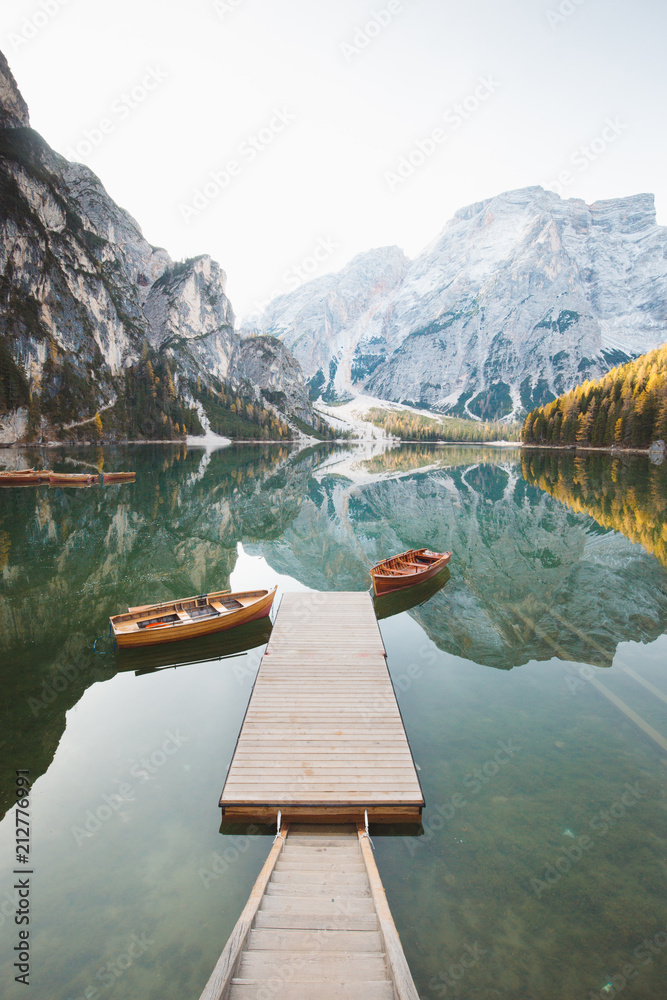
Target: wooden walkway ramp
(323, 737)
(323, 744)
(316, 927)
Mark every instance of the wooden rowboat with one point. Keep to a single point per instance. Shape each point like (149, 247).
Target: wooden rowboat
(24, 477)
(193, 616)
(395, 602)
(118, 477)
(407, 568)
(219, 646)
(73, 479)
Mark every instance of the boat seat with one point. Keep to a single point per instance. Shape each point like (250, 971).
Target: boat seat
(219, 607)
(205, 610)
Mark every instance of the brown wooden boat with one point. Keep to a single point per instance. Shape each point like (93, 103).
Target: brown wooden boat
(73, 479)
(24, 477)
(118, 477)
(407, 568)
(395, 602)
(218, 646)
(192, 616)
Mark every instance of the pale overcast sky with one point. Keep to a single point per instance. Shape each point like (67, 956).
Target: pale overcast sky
(304, 110)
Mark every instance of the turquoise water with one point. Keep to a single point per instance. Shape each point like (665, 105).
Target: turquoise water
(540, 870)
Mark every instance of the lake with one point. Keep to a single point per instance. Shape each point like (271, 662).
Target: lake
(532, 686)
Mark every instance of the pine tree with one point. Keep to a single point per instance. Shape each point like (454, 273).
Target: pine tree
(618, 431)
(585, 425)
(625, 407)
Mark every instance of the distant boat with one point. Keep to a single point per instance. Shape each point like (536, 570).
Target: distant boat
(118, 477)
(406, 569)
(24, 477)
(190, 617)
(73, 479)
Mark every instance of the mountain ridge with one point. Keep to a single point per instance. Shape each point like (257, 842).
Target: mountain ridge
(519, 297)
(89, 308)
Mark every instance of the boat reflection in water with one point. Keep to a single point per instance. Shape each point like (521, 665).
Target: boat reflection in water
(217, 646)
(397, 601)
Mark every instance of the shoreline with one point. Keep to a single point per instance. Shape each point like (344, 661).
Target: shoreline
(605, 449)
(49, 445)
(309, 442)
(500, 444)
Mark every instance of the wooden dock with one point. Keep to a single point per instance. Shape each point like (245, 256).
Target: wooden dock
(323, 737)
(317, 926)
(323, 745)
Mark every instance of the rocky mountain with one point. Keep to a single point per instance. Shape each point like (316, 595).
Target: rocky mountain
(333, 324)
(520, 298)
(91, 312)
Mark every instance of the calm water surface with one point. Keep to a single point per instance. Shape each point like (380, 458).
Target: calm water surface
(540, 871)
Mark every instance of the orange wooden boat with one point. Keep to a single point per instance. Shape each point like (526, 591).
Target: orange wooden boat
(73, 479)
(118, 477)
(192, 616)
(396, 601)
(407, 568)
(24, 477)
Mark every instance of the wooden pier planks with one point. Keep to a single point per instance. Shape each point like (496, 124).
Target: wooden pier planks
(317, 925)
(323, 734)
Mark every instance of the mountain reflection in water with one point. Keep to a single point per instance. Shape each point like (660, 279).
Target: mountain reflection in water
(536, 571)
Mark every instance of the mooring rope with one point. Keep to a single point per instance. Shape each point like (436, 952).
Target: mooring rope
(366, 833)
(101, 652)
(278, 833)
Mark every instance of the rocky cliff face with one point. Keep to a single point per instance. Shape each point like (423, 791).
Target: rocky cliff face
(333, 325)
(520, 298)
(13, 109)
(84, 299)
(266, 361)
